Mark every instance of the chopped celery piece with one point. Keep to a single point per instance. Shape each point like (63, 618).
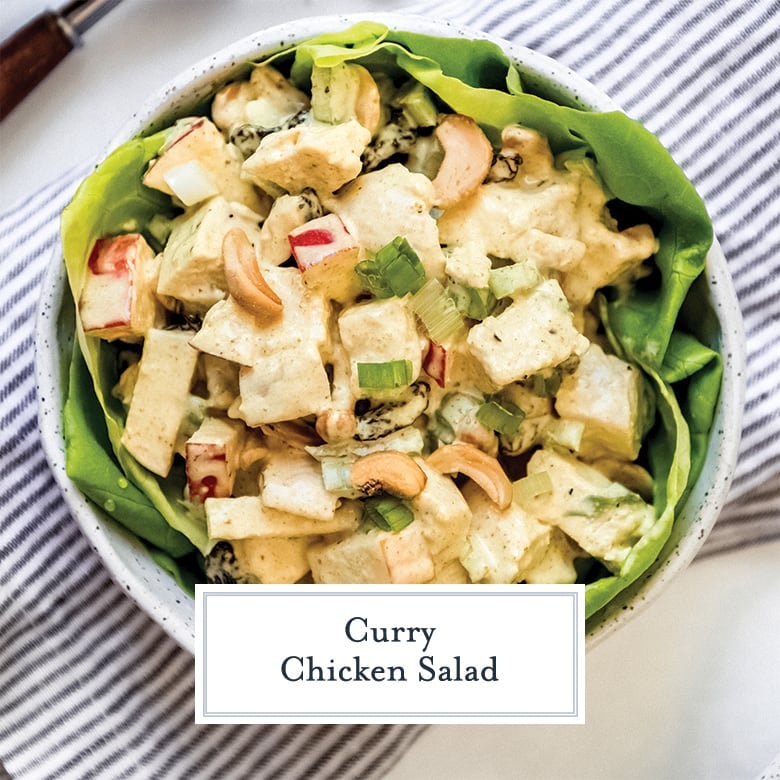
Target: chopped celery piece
(501, 416)
(426, 157)
(416, 103)
(396, 269)
(437, 311)
(532, 486)
(336, 476)
(385, 376)
(511, 279)
(565, 433)
(387, 513)
(334, 92)
(457, 412)
(476, 303)
(159, 228)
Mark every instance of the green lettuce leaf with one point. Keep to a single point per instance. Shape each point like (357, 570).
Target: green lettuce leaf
(647, 323)
(670, 454)
(112, 200)
(94, 470)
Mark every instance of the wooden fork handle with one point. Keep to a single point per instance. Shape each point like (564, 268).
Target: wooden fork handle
(29, 55)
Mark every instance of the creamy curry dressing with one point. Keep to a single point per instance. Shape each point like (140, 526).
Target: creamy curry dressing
(343, 433)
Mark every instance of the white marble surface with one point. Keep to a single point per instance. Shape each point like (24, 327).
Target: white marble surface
(689, 689)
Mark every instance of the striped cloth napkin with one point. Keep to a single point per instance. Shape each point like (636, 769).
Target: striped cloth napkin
(91, 687)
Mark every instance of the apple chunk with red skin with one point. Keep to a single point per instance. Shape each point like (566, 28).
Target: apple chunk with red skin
(211, 459)
(327, 254)
(117, 300)
(201, 143)
(435, 362)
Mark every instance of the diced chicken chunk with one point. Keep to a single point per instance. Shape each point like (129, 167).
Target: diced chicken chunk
(390, 202)
(232, 333)
(288, 213)
(246, 516)
(355, 559)
(556, 217)
(550, 252)
(443, 516)
(467, 266)
(161, 399)
(375, 557)
(608, 396)
(323, 157)
(221, 378)
(192, 270)
(380, 331)
(604, 518)
(118, 298)
(406, 555)
(536, 332)
(283, 385)
(451, 573)
(266, 99)
(501, 543)
(556, 565)
(292, 481)
(612, 256)
(272, 560)
(495, 219)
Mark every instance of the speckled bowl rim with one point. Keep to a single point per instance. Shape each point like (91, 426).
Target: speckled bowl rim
(154, 590)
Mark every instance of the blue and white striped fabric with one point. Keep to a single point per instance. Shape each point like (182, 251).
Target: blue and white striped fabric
(704, 76)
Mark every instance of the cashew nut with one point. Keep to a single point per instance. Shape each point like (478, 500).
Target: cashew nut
(468, 156)
(477, 465)
(245, 282)
(336, 424)
(368, 105)
(389, 471)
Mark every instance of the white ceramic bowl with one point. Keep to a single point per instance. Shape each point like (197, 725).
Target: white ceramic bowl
(154, 590)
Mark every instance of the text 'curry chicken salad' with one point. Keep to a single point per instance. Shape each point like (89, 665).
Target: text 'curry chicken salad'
(375, 314)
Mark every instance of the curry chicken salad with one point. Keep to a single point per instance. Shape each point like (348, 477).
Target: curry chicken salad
(359, 335)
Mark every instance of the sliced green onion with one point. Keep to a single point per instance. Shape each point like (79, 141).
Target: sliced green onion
(546, 386)
(437, 311)
(532, 486)
(385, 376)
(501, 416)
(396, 269)
(565, 433)
(476, 303)
(387, 513)
(511, 279)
